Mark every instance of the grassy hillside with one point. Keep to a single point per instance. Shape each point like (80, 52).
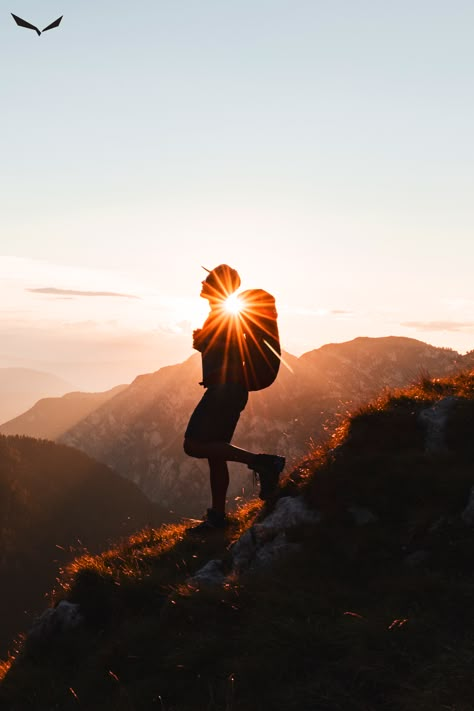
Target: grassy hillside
(372, 611)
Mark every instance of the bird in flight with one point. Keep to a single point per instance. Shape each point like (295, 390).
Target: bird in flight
(24, 23)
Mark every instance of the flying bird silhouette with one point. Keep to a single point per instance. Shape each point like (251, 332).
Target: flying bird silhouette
(24, 23)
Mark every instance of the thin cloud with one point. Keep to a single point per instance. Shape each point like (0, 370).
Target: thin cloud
(75, 292)
(439, 325)
(321, 311)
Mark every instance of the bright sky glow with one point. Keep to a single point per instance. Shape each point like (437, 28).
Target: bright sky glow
(323, 149)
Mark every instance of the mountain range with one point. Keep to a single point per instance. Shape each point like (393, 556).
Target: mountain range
(139, 430)
(20, 388)
(139, 433)
(52, 416)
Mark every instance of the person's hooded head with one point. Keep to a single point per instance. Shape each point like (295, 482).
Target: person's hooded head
(220, 283)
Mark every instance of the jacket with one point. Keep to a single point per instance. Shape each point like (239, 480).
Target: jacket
(219, 342)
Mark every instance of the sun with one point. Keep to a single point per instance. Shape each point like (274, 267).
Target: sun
(233, 304)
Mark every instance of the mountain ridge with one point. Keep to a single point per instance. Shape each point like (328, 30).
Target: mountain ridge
(140, 432)
(20, 388)
(50, 417)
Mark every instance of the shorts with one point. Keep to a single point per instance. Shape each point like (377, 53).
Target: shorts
(217, 413)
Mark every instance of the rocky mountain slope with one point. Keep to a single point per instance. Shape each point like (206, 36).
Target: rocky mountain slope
(52, 416)
(140, 432)
(54, 502)
(351, 591)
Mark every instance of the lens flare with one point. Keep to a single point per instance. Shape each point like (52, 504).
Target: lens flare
(233, 304)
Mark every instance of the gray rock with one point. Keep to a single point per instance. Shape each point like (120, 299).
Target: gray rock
(289, 512)
(210, 574)
(266, 541)
(244, 551)
(434, 419)
(274, 550)
(55, 621)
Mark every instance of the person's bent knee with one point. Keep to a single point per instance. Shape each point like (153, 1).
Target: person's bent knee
(191, 448)
(188, 447)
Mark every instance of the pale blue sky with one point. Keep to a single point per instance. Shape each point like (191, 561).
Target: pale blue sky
(323, 148)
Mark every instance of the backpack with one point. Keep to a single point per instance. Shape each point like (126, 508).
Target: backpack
(259, 338)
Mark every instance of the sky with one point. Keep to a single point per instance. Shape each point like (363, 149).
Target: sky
(323, 149)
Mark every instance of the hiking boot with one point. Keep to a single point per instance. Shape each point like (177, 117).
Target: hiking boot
(212, 521)
(268, 467)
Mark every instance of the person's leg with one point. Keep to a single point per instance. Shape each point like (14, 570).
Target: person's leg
(213, 422)
(218, 451)
(209, 434)
(219, 474)
(267, 466)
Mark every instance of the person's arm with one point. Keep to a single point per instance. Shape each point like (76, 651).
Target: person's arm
(199, 340)
(202, 337)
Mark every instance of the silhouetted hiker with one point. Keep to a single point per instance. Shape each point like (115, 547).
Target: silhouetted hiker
(215, 418)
